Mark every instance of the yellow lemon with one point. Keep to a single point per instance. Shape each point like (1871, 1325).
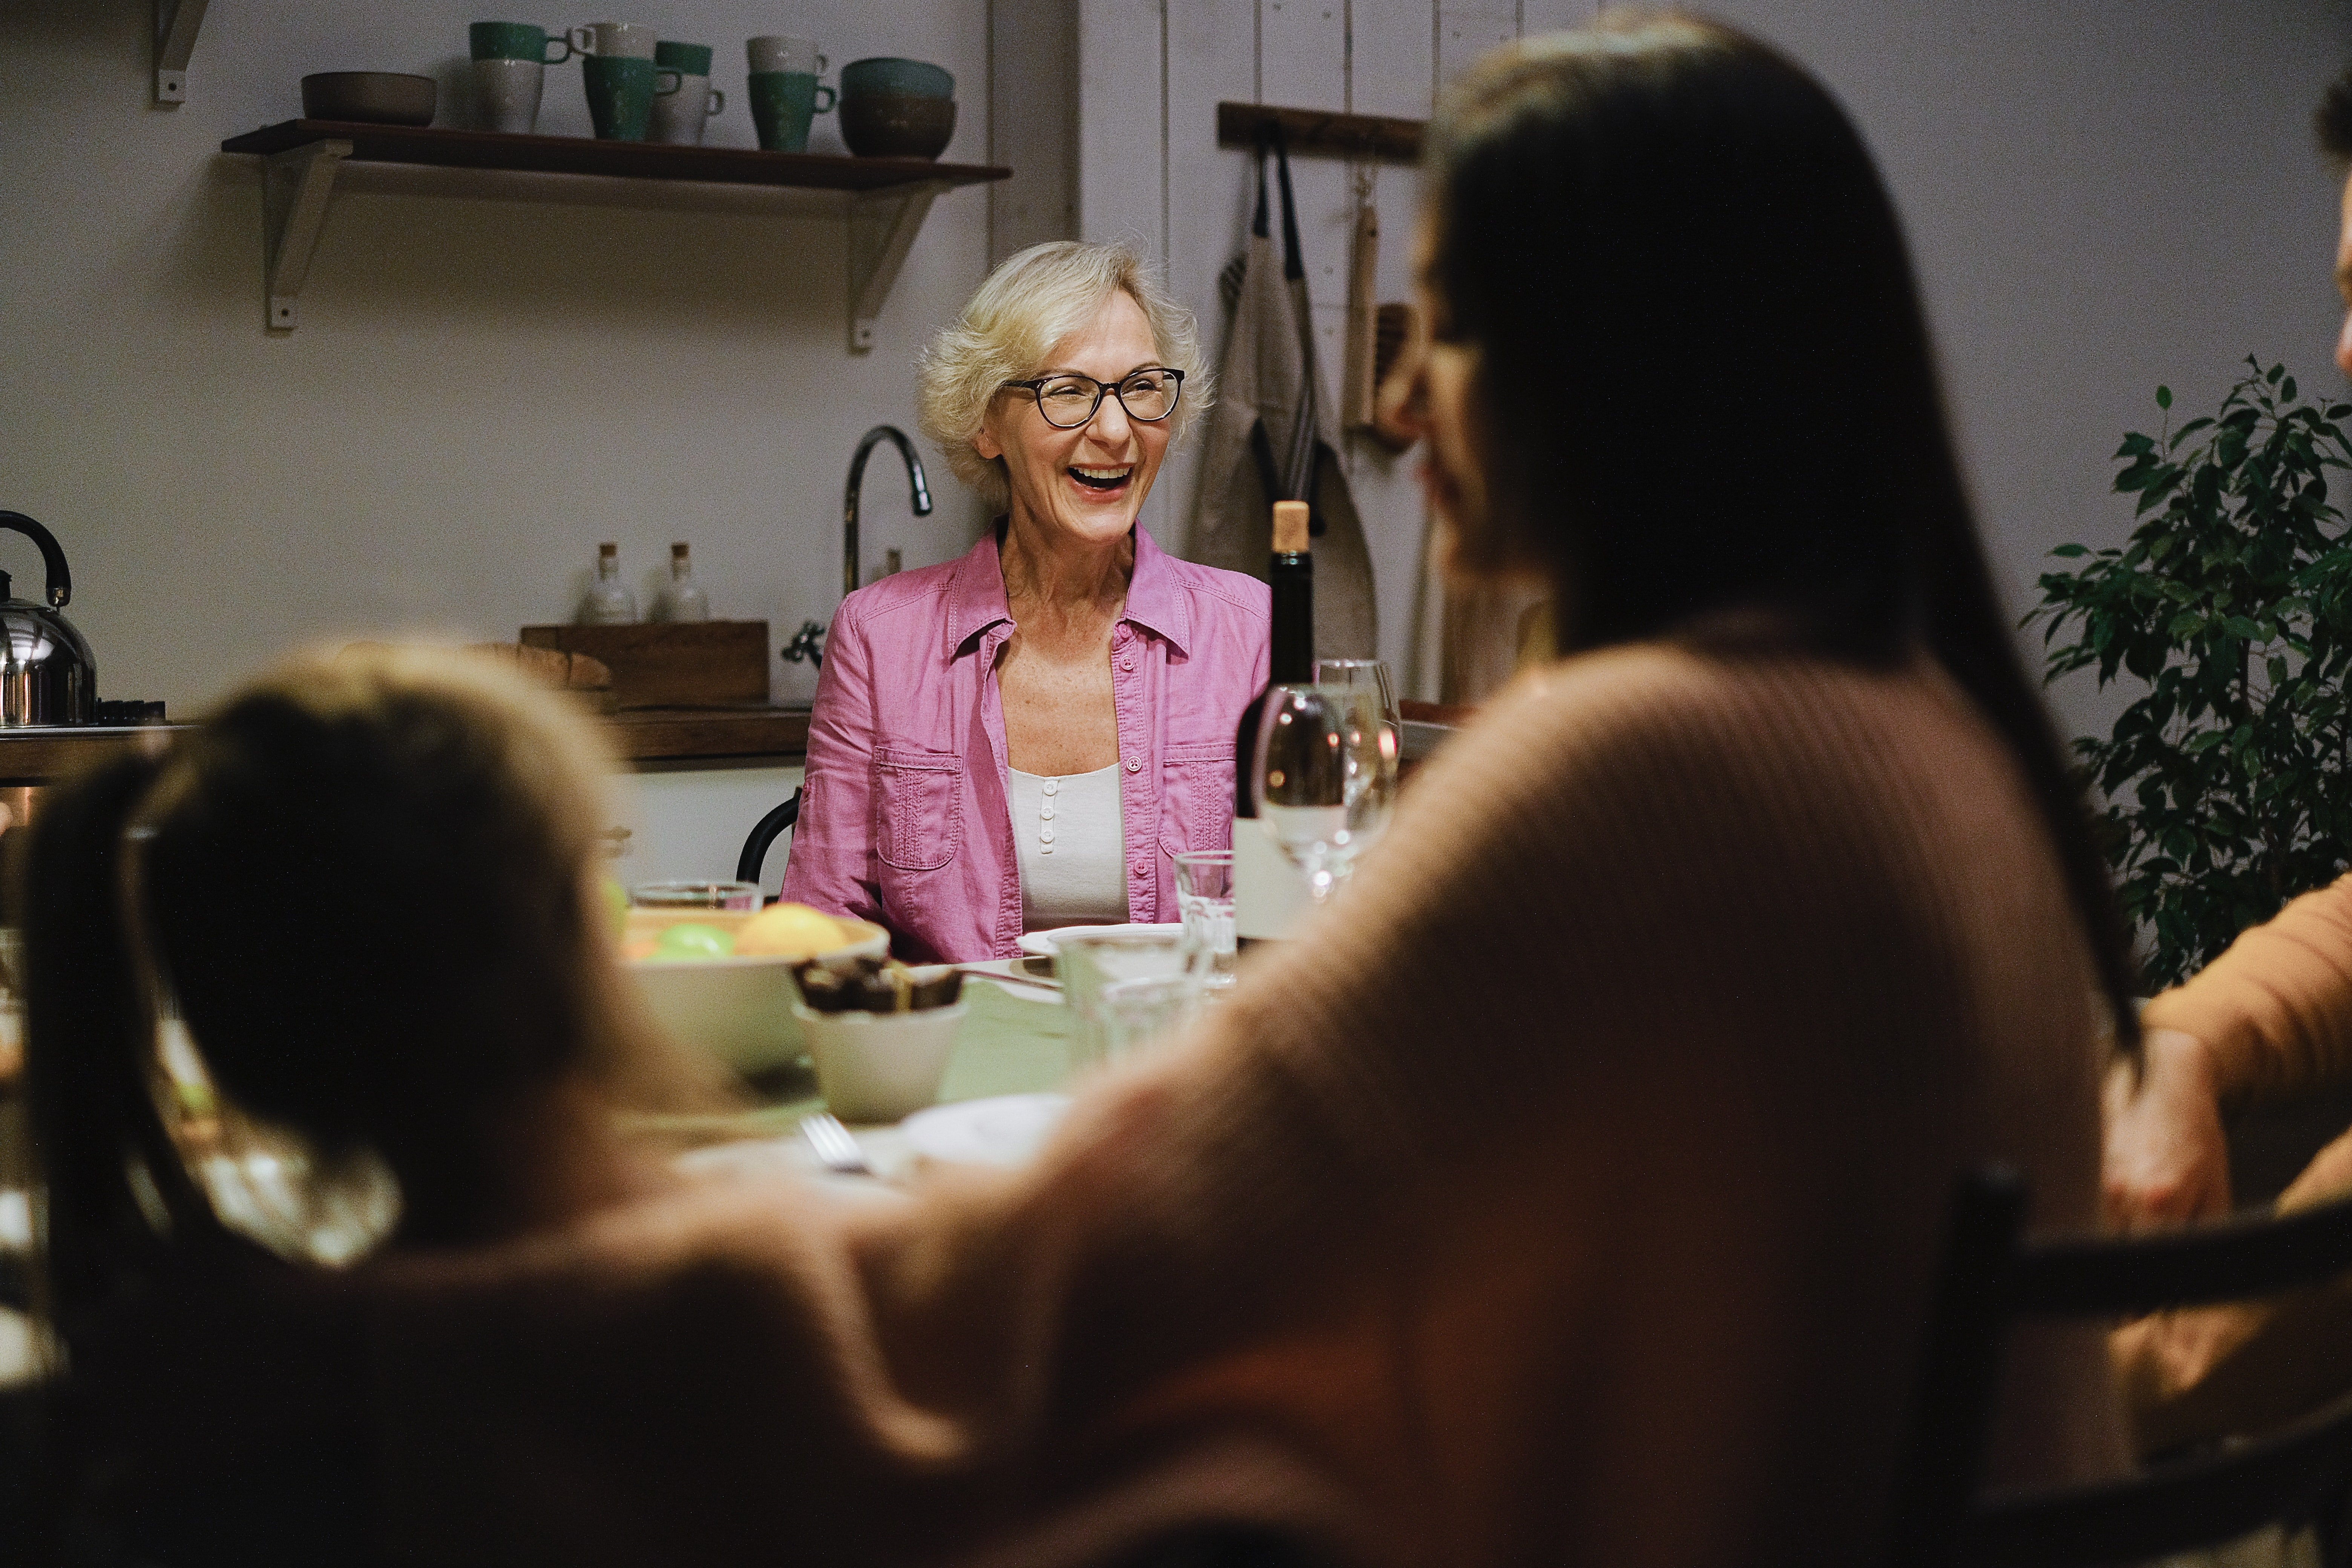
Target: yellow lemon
(789, 931)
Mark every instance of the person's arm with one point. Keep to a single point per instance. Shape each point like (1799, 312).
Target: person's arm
(2268, 1018)
(2274, 1012)
(832, 864)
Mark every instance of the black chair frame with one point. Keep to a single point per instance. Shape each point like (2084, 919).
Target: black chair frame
(771, 828)
(2295, 1474)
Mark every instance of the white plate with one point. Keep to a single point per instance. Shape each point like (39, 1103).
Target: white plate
(1008, 1129)
(1041, 942)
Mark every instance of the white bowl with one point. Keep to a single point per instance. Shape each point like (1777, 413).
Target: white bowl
(879, 1067)
(738, 1009)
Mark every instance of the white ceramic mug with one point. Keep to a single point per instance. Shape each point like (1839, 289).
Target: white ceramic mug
(506, 94)
(678, 117)
(614, 40)
(781, 54)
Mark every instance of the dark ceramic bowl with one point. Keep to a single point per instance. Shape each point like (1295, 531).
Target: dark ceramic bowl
(878, 127)
(886, 76)
(374, 98)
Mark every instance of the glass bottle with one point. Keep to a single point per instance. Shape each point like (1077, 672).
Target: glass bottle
(1269, 897)
(609, 602)
(683, 599)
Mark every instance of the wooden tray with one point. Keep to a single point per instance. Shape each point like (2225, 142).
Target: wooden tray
(694, 664)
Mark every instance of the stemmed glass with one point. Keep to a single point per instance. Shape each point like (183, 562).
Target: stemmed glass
(1324, 777)
(1372, 675)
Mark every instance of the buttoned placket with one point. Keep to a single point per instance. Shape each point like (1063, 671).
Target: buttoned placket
(992, 722)
(1140, 805)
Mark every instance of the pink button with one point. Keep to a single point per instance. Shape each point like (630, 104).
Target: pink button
(1141, 869)
(1127, 664)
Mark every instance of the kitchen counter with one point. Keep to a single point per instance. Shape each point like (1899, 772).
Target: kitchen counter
(658, 735)
(35, 756)
(645, 737)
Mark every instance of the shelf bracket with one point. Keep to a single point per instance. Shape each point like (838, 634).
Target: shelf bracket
(882, 229)
(295, 185)
(176, 22)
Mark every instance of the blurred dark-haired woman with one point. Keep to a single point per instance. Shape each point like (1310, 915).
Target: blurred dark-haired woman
(1572, 1189)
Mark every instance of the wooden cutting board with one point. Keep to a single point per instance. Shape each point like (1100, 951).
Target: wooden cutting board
(695, 664)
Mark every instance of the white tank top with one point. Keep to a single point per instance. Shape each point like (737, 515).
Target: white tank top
(1070, 844)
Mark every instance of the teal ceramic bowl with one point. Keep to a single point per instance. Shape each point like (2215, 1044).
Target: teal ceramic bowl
(879, 127)
(887, 77)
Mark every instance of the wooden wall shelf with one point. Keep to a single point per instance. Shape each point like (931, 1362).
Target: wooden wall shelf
(1322, 133)
(888, 197)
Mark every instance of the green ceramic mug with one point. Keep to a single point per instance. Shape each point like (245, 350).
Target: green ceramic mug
(621, 93)
(516, 41)
(782, 102)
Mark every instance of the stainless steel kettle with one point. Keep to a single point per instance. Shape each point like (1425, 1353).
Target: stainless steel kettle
(46, 673)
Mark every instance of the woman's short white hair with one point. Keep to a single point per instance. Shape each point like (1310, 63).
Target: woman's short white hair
(1030, 303)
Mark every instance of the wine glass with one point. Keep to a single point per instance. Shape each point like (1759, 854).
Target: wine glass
(1324, 777)
(1373, 675)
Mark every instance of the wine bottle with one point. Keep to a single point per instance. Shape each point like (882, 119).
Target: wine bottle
(1269, 895)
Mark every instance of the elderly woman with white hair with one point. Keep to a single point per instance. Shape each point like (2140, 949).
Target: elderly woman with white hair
(1024, 737)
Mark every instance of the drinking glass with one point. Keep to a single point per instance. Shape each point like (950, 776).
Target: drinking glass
(1324, 777)
(1370, 674)
(1088, 962)
(695, 896)
(1205, 896)
(1135, 1014)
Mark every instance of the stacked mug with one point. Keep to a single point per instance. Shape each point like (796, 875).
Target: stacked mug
(897, 109)
(510, 61)
(678, 117)
(622, 78)
(786, 92)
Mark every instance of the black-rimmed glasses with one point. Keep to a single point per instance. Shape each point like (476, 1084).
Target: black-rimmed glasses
(1069, 401)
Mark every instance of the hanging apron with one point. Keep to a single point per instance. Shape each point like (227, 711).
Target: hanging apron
(1273, 436)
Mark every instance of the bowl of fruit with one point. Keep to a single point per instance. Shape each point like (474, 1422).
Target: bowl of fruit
(722, 978)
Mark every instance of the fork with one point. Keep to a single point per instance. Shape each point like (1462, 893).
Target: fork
(834, 1149)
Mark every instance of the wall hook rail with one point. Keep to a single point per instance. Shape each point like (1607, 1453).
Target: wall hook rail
(1316, 132)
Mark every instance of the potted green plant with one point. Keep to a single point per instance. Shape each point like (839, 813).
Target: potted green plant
(2227, 786)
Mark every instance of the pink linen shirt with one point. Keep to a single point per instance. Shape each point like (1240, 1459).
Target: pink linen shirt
(905, 812)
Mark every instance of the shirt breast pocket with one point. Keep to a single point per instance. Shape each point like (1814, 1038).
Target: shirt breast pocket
(917, 808)
(1197, 794)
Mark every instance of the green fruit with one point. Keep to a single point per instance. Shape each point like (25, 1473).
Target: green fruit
(616, 906)
(689, 939)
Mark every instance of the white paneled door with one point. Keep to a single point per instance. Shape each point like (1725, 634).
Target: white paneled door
(1150, 172)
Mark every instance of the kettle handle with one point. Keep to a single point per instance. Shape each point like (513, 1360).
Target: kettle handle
(60, 589)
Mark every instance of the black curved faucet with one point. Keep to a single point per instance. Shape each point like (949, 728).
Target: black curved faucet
(915, 482)
(808, 643)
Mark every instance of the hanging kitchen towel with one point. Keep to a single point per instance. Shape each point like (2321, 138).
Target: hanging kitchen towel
(1273, 437)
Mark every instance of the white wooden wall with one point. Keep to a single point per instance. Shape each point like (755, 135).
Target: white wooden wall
(1151, 75)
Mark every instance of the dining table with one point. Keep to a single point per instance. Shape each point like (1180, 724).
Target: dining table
(1015, 1038)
